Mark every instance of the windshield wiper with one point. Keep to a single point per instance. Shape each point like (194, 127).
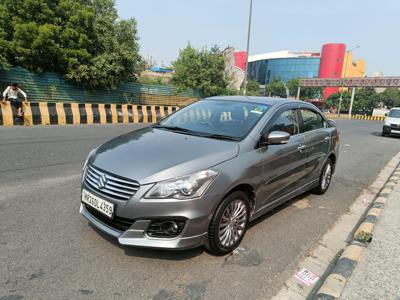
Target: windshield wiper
(196, 133)
(173, 128)
(220, 137)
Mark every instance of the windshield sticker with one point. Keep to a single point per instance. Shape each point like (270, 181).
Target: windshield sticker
(258, 110)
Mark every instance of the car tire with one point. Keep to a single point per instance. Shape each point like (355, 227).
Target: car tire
(384, 133)
(325, 178)
(227, 229)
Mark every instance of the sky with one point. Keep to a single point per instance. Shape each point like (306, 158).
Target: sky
(166, 26)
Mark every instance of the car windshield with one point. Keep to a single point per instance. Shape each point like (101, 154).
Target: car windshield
(224, 119)
(394, 113)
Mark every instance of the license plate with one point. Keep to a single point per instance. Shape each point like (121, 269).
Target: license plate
(103, 206)
(395, 131)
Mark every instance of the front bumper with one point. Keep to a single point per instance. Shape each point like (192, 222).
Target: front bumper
(136, 234)
(391, 129)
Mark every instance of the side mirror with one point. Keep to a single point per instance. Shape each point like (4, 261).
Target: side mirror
(275, 138)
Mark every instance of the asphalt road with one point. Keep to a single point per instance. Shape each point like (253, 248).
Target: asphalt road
(48, 251)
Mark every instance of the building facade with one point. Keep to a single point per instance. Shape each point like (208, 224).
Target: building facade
(333, 62)
(284, 65)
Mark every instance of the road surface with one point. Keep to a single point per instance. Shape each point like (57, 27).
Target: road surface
(48, 251)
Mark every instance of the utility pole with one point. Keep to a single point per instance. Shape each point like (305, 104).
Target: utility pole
(352, 101)
(247, 49)
(344, 76)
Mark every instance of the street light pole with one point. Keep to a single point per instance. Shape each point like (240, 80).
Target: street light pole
(247, 49)
(353, 92)
(344, 76)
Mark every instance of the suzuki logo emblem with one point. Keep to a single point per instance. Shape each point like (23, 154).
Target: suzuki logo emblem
(102, 181)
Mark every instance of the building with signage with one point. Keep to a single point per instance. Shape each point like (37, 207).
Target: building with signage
(332, 62)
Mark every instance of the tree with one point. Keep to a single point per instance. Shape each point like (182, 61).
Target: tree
(365, 100)
(83, 39)
(253, 88)
(293, 86)
(334, 100)
(276, 88)
(305, 93)
(203, 70)
(390, 97)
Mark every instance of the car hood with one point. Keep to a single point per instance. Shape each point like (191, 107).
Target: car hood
(392, 120)
(149, 154)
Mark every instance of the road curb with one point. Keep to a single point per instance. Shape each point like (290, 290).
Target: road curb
(46, 113)
(336, 254)
(356, 117)
(335, 282)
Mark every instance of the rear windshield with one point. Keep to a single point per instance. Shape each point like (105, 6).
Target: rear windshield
(394, 113)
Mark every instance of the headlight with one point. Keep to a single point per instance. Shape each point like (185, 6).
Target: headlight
(188, 187)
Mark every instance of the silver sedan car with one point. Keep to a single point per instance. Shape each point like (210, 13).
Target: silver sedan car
(199, 176)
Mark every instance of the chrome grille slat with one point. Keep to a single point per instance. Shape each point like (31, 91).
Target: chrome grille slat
(112, 194)
(108, 187)
(112, 178)
(122, 186)
(90, 180)
(115, 187)
(93, 174)
(124, 181)
(92, 177)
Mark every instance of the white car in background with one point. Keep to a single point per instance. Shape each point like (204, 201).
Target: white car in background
(392, 122)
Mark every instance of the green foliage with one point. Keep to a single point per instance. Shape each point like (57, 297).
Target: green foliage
(390, 97)
(365, 100)
(152, 80)
(276, 88)
(232, 92)
(334, 100)
(4, 65)
(83, 39)
(293, 85)
(201, 70)
(305, 93)
(364, 237)
(253, 88)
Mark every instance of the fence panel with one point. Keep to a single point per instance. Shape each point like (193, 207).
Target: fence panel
(52, 87)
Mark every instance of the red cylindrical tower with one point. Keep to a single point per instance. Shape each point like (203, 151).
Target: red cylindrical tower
(331, 65)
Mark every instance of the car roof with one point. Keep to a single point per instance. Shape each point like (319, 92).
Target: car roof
(255, 99)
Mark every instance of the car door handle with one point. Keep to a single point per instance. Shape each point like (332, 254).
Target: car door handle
(327, 138)
(301, 148)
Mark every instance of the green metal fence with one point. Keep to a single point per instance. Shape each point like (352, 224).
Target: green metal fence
(51, 87)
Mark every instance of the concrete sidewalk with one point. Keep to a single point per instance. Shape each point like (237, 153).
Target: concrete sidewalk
(377, 275)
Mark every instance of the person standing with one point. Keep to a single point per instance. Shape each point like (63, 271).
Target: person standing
(11, 94)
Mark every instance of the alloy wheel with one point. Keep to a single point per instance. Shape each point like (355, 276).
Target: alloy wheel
(233, 223)
(326, 177)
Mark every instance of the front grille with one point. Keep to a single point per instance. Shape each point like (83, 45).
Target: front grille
(118, 223)
(109, 185)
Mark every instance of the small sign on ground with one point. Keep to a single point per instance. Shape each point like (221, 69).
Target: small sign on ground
(306, 277)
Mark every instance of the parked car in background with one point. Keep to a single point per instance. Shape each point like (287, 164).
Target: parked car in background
(392, 122)
(199, 176)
